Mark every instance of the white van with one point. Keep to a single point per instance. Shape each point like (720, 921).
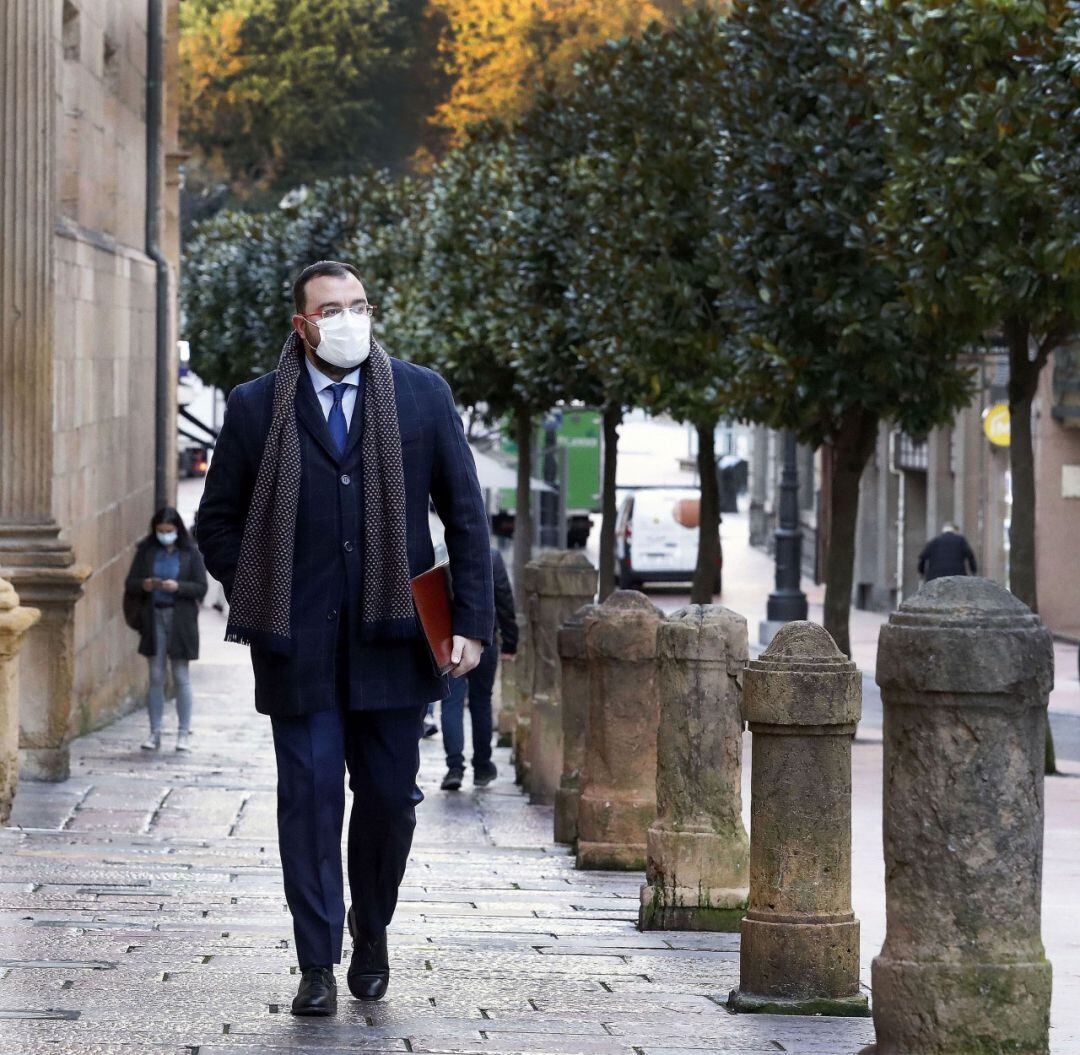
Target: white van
(656, 537)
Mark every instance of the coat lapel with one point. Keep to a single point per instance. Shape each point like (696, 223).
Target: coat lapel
(309, 413)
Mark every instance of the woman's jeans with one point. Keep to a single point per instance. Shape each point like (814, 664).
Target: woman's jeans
(163, 619)
(478, 683)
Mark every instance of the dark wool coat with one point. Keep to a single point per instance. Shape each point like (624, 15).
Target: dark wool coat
(327, 559)
(184, 639)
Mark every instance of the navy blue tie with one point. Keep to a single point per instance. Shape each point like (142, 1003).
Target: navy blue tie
(339, 431)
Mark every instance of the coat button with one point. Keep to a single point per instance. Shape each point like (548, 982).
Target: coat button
(346, 479)
(348, 547)
(332, 614)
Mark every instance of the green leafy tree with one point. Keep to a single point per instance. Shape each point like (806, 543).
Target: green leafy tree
(641, 266)
(483, 302)
(983, 117)
(826, 345)
(280, 92)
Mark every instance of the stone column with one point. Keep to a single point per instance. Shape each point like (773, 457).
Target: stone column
(698, 853)
(557, 583)
(575, 715)
(14, 623)
(965, 671)
(32, 556)
(800, 940)
(618, 785)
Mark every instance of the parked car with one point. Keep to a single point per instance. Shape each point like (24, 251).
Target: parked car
(656, 537)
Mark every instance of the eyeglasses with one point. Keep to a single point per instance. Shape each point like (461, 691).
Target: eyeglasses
(333, 310)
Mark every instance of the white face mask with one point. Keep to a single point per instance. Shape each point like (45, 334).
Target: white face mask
(166, 538)
(344, 340)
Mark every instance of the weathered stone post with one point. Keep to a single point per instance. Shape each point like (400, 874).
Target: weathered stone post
(965, 671)
(698, 853)
(800, 940)
(557, 583)
(575, 716)
(14, 623)
(618, 785)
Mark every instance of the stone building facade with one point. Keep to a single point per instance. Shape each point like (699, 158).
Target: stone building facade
(79, 345)
(912, 486)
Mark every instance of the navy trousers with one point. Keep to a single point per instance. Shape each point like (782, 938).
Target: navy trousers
(479, 684)
(380, 751)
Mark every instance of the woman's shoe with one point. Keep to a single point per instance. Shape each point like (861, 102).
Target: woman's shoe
(152, 742)
(183, 741)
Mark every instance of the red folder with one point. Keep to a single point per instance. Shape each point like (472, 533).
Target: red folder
(432, 595)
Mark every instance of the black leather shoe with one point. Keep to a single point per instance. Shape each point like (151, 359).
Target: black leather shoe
(484, 775)
(317, 994)
(369, 969)
(452, 780)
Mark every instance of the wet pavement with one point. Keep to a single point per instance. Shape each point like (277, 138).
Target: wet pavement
(141, 911)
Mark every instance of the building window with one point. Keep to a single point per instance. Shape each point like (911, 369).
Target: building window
(71, 31)
(911, 452)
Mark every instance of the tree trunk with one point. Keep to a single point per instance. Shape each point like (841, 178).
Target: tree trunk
(611, 419)
(708, 560)
(523, 519)
(852, 446)
(1023, 384)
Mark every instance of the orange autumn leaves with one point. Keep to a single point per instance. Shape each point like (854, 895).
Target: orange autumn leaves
(498, 53)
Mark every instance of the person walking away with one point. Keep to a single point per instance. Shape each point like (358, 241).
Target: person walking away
(947, 554)
(168, 578)
(479, 685)
(314, 518)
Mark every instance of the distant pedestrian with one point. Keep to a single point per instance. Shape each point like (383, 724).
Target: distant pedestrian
(478, 685)
(168, 577)
(948, 554)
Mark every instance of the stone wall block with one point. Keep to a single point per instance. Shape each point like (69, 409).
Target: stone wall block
(574, 665)
(800, 939)
(965, 671)
(556, 584)
(698, 853)
(15, 621)
(618, 784)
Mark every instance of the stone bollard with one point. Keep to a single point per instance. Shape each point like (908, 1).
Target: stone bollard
(698, 853)
(800, 940)
(509, 694)
(575, 715)
(965, 670)
(557, 583)
(14, 623)
(618, 784)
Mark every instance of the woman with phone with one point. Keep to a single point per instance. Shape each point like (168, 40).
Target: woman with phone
(168, 579)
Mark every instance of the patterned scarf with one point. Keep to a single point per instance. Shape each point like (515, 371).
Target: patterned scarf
(261, 602)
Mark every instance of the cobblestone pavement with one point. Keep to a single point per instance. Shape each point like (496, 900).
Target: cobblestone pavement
(141, 911)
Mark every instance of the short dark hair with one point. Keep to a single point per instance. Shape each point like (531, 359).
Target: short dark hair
(320, 267)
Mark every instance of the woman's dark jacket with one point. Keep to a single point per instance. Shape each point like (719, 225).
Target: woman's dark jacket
(184, 638)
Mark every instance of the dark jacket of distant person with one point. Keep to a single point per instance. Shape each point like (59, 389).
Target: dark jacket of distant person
(505, 617)
(191, 588)
(948, 554)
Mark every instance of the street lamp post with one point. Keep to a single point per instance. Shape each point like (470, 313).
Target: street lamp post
(787, 602)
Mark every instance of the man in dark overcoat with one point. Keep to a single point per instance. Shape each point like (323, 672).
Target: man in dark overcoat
(314, 517)
(947, 554)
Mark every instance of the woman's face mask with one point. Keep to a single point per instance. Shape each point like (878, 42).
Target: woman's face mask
(166, 538)
(344, 340)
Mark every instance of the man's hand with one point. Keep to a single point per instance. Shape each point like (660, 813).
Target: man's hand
(464, 654)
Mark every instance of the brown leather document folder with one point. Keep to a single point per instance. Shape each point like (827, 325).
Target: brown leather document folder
(431, 595)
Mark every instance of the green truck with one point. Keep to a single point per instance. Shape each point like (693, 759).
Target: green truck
(567, 456)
